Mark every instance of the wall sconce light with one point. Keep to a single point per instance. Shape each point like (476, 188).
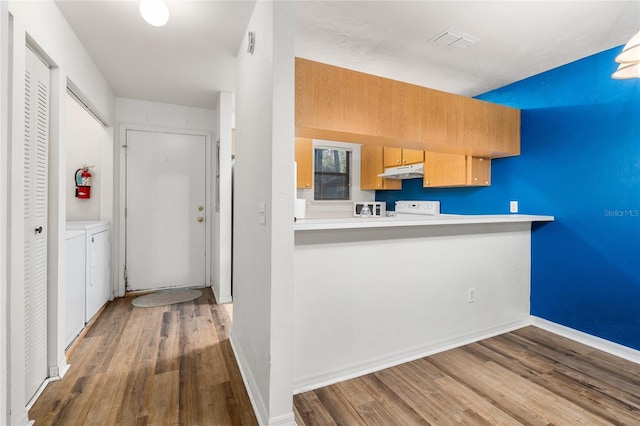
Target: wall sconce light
(629, 60)
(155, 12)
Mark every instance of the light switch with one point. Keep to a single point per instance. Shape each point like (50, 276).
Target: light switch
(262, 213)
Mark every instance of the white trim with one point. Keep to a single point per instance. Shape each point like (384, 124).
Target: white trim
(16, 341)
(5, 88)
(283, 420)
(85, 103)
(607, 346)
(259, 409)
(36, 395)
(41, 389)
(219, 299)
(120, 208)
(314, 382)
(57, 372)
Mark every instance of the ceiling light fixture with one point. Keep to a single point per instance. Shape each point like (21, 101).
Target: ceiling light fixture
(629, 60)
(155, 12)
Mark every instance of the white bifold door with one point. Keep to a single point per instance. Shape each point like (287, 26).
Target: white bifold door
(165, 210)
(36, 158)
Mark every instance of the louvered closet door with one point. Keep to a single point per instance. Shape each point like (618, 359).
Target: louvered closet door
(36, 158)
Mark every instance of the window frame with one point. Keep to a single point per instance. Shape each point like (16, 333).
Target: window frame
(350, 171)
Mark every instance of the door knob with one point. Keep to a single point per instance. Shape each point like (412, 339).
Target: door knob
(39, 230)
(200, 219)
(200, 208)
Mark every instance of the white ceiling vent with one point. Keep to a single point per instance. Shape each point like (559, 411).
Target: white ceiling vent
(453, 40)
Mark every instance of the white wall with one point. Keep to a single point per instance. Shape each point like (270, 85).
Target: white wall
(43, 27)
(46, 25)
(367, 299)
(222, 217)
(263, 173)
(88, 142)
(134, 111)
(144, 115)
(320, 209)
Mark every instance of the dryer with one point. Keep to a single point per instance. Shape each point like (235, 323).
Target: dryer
(98, 288)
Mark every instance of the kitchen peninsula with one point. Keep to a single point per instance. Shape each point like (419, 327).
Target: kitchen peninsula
(376, 292)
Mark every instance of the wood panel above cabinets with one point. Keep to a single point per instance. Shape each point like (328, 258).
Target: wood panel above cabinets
(455, 170)
(334, 103)
(304, 162)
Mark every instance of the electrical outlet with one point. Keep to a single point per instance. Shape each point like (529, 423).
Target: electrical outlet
(513, 206)
(471, 295)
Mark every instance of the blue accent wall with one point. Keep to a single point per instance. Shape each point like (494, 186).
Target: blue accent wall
(580, 161)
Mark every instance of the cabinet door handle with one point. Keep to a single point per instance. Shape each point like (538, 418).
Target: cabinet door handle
(38, 230)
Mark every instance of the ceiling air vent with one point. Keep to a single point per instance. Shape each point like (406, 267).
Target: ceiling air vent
(453, 40)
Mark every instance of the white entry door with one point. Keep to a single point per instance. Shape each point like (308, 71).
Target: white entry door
(165, 210)
(36, 160)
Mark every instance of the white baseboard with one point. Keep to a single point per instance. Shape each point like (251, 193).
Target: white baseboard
(57, 372)
(255, 397)
(63, 368)
(23, 420)
(41, 389)
(308, 383)
(607, 346)
(284, 420)
(221, 300)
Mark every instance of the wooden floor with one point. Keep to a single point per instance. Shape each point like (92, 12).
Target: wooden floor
(528, 377)
(159, 366)
(174, 365)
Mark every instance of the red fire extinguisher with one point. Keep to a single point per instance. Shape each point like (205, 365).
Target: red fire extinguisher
(83, 182)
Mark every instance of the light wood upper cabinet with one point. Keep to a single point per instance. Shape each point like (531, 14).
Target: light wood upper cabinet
(479, 171)
(392, 156)
(448, 170)
(304, 160)
(371, 165)
(412, 156)
(401, 157)
(338, 104)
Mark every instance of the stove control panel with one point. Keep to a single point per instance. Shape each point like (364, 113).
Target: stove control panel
(418, 207)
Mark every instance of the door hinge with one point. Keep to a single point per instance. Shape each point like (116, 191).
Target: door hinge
(125, 212)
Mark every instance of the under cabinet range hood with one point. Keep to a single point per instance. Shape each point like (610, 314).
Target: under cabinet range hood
(411, 171)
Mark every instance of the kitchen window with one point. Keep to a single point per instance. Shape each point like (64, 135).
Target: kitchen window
(332, 179)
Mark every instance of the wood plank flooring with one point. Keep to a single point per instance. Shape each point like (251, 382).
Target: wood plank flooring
(527, 377)
(174, 365)
(168, 365)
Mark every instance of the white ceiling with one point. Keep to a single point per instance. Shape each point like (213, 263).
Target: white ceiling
(186, 62)
(192, 58)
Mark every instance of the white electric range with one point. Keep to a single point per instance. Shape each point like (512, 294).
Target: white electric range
(411, 208)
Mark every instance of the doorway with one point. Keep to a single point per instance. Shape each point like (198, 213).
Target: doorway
(166, 207)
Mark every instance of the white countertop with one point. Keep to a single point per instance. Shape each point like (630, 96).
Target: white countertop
(86, 224)
(413, 220)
